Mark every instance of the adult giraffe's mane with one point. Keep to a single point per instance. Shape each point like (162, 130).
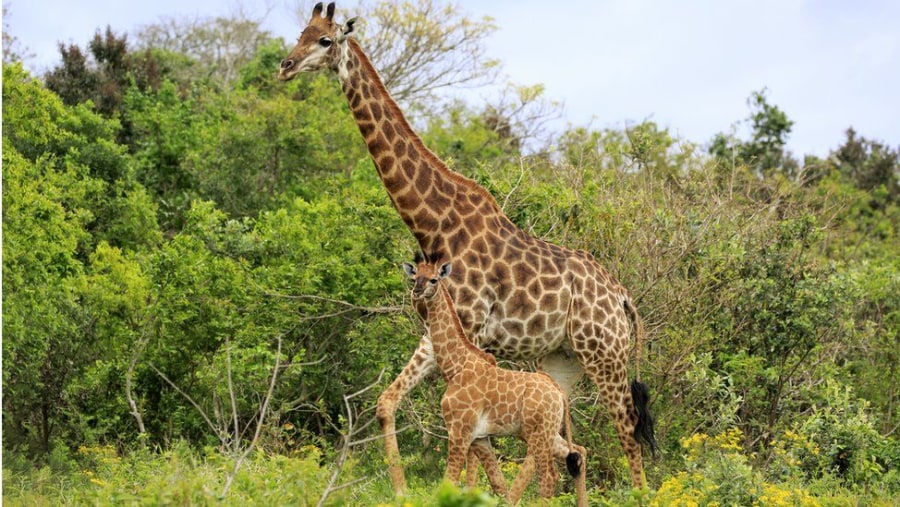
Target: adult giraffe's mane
(406, 130)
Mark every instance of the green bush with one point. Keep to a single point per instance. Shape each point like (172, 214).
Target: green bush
(848, 444)
(718, 473)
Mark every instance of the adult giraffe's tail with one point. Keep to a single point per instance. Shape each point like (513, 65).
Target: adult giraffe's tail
(640, 394)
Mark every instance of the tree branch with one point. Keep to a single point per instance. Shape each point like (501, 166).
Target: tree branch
(348, 442)
(260, 420)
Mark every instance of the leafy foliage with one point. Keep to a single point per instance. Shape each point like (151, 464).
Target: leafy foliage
(66, 194)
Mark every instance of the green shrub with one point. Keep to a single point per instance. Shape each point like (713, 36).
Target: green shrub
(850, 447)
(718, 473)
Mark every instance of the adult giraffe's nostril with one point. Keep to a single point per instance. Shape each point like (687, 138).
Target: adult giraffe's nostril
(286, 64)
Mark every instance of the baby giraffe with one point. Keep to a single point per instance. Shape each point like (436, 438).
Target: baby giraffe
(484, 400)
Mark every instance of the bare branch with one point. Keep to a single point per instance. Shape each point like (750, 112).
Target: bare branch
(348, 442)
(260, 420)
(231, 389)
(190, 400)
(348, 307)
(129, 375)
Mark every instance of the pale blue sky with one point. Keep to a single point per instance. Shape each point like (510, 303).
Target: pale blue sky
(687, 65)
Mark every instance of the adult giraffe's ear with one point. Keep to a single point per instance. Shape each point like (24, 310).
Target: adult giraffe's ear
(347, 30)
(444, 270)
(409, 269)
(349, 25)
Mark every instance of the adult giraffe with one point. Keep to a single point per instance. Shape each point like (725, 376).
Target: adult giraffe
(517, 296)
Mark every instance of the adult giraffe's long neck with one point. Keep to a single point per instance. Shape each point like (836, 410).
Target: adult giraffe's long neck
(452, 349)
(426, 193)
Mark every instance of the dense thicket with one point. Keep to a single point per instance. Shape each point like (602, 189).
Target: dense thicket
(170, 241)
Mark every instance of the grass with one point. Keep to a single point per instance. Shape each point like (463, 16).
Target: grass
(185, 476)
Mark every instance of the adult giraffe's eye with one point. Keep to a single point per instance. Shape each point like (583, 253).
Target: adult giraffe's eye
(433, 281)
(325, 42)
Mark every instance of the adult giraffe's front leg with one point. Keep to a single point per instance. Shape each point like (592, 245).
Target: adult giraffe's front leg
(419, 366)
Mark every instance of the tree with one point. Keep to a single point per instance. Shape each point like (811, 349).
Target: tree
(217, 48)
(422, 46)
(869, 164)
(519, 114)
(497, 133)
(271, 150)
(65, 190)
(103, 74)
(764, 153)
(72, 80)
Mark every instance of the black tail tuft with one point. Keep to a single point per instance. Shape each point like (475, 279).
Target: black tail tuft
(643, 431)
(574, 463)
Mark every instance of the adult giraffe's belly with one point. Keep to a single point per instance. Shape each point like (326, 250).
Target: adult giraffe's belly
(511, 334)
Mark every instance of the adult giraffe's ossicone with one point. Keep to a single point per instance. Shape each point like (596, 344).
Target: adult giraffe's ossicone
(518, 297)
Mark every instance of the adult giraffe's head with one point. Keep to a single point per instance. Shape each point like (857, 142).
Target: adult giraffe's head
(318, 46)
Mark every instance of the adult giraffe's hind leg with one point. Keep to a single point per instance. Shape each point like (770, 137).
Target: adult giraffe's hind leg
(602, 349)
(581, 479)
(419, 366)
(617, 398)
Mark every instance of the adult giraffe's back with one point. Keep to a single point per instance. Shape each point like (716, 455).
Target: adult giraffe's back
(517, 296)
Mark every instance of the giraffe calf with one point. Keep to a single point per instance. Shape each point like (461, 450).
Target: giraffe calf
(484, 400)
